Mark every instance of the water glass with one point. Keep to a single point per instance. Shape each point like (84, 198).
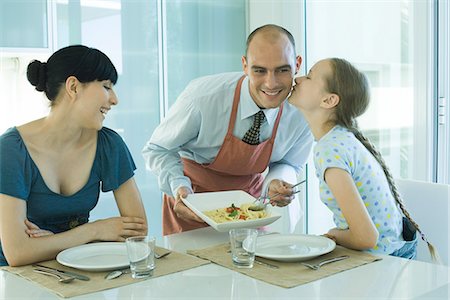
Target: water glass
(243, 246)
(141, 250)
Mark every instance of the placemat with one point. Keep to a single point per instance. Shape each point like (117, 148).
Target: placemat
(288, 274)
(175, 262)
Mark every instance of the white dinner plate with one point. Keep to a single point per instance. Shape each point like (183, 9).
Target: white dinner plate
(201, 202)
(95, 257)
(293, 247)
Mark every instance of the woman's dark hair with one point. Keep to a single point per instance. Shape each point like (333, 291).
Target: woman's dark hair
(353, 90)
(86, 64)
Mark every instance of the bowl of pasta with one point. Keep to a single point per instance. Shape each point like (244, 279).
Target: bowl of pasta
(229, 209)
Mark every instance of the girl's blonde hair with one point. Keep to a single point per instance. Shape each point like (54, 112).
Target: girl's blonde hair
(353, 90)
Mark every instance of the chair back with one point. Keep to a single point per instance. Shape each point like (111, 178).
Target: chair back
(428, 204)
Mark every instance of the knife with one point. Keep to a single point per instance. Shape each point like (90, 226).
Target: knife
(75, 275)
(266, 264)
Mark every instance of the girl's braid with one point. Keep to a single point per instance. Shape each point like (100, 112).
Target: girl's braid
(369, 146)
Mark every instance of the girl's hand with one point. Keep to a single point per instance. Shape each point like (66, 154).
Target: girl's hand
(284, 191)
(330, 236)
(117, 229)
(34, 231)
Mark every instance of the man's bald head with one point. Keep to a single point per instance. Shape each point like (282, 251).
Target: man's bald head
(270, 32)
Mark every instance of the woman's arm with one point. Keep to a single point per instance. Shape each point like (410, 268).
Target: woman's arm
(16, 243)
(361, 234)
(130, 204)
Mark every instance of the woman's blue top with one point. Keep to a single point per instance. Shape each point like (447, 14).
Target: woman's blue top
(20, 178)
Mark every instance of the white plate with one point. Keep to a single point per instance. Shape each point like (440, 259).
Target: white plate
(201, 202)
(293, 247)
(95, 257)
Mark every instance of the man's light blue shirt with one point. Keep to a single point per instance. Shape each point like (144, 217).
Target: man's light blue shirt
(197, 123)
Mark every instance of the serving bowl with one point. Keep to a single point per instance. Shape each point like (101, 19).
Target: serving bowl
(201, 202)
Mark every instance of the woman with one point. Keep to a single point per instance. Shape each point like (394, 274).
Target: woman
(52, 168)
(355, 183)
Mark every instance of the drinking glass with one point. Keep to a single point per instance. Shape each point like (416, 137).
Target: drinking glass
(141, 251)
(243, 245)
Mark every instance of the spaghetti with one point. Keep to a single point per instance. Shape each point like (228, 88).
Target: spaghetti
(234, 213)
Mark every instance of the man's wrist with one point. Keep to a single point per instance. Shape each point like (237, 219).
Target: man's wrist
(186, 185)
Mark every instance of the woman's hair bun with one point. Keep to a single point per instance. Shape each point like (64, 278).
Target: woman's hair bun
(37, 74)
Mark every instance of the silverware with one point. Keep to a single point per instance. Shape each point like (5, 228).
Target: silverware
(327, 261)
(157, 256)
(61, 278)
(72, 274)
(266, 264)
(117, 273)
(261, 204)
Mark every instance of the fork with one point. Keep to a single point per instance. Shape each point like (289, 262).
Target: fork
(118, 273)
(327, 261)
(262, 199)
(60, 278)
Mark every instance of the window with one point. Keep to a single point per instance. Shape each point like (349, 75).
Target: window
(389, 42)
(154, 62)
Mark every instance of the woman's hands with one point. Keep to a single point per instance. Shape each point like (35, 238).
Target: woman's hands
(182, 211)
(112, 229)
(34, 231)
(284, 191)
(19, 235)
(118, 228)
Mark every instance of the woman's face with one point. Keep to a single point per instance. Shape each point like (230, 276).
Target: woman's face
(310, 90)
(97, 99)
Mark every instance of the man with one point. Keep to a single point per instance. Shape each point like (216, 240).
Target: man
(203, 145)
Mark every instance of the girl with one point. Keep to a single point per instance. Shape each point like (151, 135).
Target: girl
(355, 183)
(51, 169)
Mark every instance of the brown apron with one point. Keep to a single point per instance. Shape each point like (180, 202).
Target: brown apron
(237, 166)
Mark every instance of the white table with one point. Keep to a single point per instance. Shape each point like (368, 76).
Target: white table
(390, 278)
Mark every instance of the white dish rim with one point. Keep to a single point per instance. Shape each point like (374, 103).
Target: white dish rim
(62, 256)
(330, 245)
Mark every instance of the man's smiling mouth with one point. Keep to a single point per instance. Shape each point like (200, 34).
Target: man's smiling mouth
(272, 93)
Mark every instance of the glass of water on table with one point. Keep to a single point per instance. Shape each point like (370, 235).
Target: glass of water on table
(141, 250)
(243, 246)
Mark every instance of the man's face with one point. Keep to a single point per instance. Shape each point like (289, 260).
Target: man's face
(270, 66)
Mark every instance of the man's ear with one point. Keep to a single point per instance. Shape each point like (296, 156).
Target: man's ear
(244, 64)
(298, 63)
(330, 101)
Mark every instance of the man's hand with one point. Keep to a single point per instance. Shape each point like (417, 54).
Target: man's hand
(284, 191)
(182, 211)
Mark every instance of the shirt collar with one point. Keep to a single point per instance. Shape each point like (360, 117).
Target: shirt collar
(249, 108)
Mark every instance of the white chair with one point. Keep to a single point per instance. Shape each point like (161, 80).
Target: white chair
(428, 204)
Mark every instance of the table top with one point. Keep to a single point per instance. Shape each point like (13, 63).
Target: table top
(390, 278)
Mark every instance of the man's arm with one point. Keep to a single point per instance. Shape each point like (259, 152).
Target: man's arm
(161, 152)
(296, 157)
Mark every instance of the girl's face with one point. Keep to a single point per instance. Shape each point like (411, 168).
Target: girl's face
(98, 98)
(310, 90)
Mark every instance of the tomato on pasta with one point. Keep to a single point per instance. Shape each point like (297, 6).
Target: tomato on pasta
(234, 213)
